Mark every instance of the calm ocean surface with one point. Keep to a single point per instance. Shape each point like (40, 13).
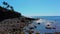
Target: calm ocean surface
(41, 28)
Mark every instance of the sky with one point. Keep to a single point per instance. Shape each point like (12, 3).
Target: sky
(35, 7)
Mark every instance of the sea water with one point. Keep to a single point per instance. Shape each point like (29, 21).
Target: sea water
(41, 28)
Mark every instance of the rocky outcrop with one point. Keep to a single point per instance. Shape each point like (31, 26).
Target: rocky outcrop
(12, 21)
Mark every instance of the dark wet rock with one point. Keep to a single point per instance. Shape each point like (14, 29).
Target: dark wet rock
(31, 28)
(48, 27)
(35, 26)
(38, 23)
(54, 28)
